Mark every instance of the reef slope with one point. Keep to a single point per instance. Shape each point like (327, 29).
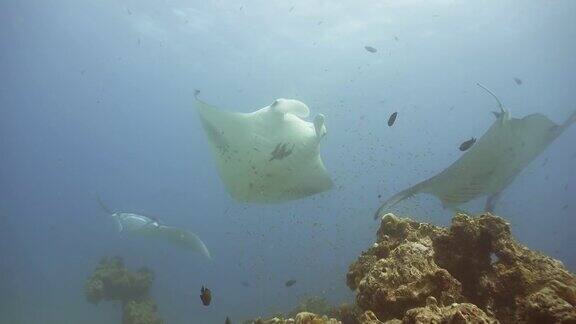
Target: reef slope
(473, 271)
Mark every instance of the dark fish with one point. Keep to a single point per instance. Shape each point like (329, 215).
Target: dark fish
(466, 145)
(228, 320)
(245, 284)
(291, 8)
(205, 296)
(518, 81)
(392, 119)
(196, 92)
(370, 49)
(290, 283)
(281, 151)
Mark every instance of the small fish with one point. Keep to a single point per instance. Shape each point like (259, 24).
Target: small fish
(518, 81)
(396, 38)
(291, 8)
(205, 296)
(196, 92)
(370, 49)
(392, 119)
(245, 284)
(466, 145)
(290, 283)
(228, 320)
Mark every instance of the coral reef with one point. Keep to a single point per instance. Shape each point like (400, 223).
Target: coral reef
(142, 311)
(311, 304)
(346, 313)
(300, 318)
(474, 271)
(111, 280)
(314, 309)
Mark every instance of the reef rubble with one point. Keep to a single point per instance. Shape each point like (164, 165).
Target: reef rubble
(473, 271)
(111, 280)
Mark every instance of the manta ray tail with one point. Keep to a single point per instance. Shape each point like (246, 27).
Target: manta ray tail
(404, 194)
(103, 206)
(495, 97)
(571, 120)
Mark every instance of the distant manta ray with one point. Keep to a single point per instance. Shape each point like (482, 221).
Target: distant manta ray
(149, 227)
(489, 166)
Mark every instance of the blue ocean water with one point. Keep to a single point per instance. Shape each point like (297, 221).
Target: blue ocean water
(97, 98)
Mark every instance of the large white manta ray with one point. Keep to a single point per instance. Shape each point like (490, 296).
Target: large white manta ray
(491, 164)
(269, 155)
(148, 227)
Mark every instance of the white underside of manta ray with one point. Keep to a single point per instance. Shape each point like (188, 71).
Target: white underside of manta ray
(269, 155)
(148, 227)
(491, 164)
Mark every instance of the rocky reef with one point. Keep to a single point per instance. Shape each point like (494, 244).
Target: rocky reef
(300, 318)
(473, 271)
(111, 280)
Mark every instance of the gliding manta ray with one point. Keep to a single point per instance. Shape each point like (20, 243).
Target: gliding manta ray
(490, 165)
(149, 227)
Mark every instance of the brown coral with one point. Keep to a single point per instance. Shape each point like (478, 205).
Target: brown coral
(113, 281)
(453, 314)
(300, 318)
(140, 312)
(475, 260)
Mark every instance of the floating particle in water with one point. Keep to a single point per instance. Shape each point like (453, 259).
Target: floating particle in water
(370, 49)
(468, 144)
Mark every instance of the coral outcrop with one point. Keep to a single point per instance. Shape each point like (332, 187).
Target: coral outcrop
(300, 318)
(113, 281)
(473, 271)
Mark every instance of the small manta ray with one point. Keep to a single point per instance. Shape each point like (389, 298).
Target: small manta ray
(492, 163)
(150, 227)
(241, 144)
(281, 151)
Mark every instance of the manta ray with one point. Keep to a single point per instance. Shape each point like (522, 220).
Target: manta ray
(269, 155)
(490, 165)
(149, 227)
